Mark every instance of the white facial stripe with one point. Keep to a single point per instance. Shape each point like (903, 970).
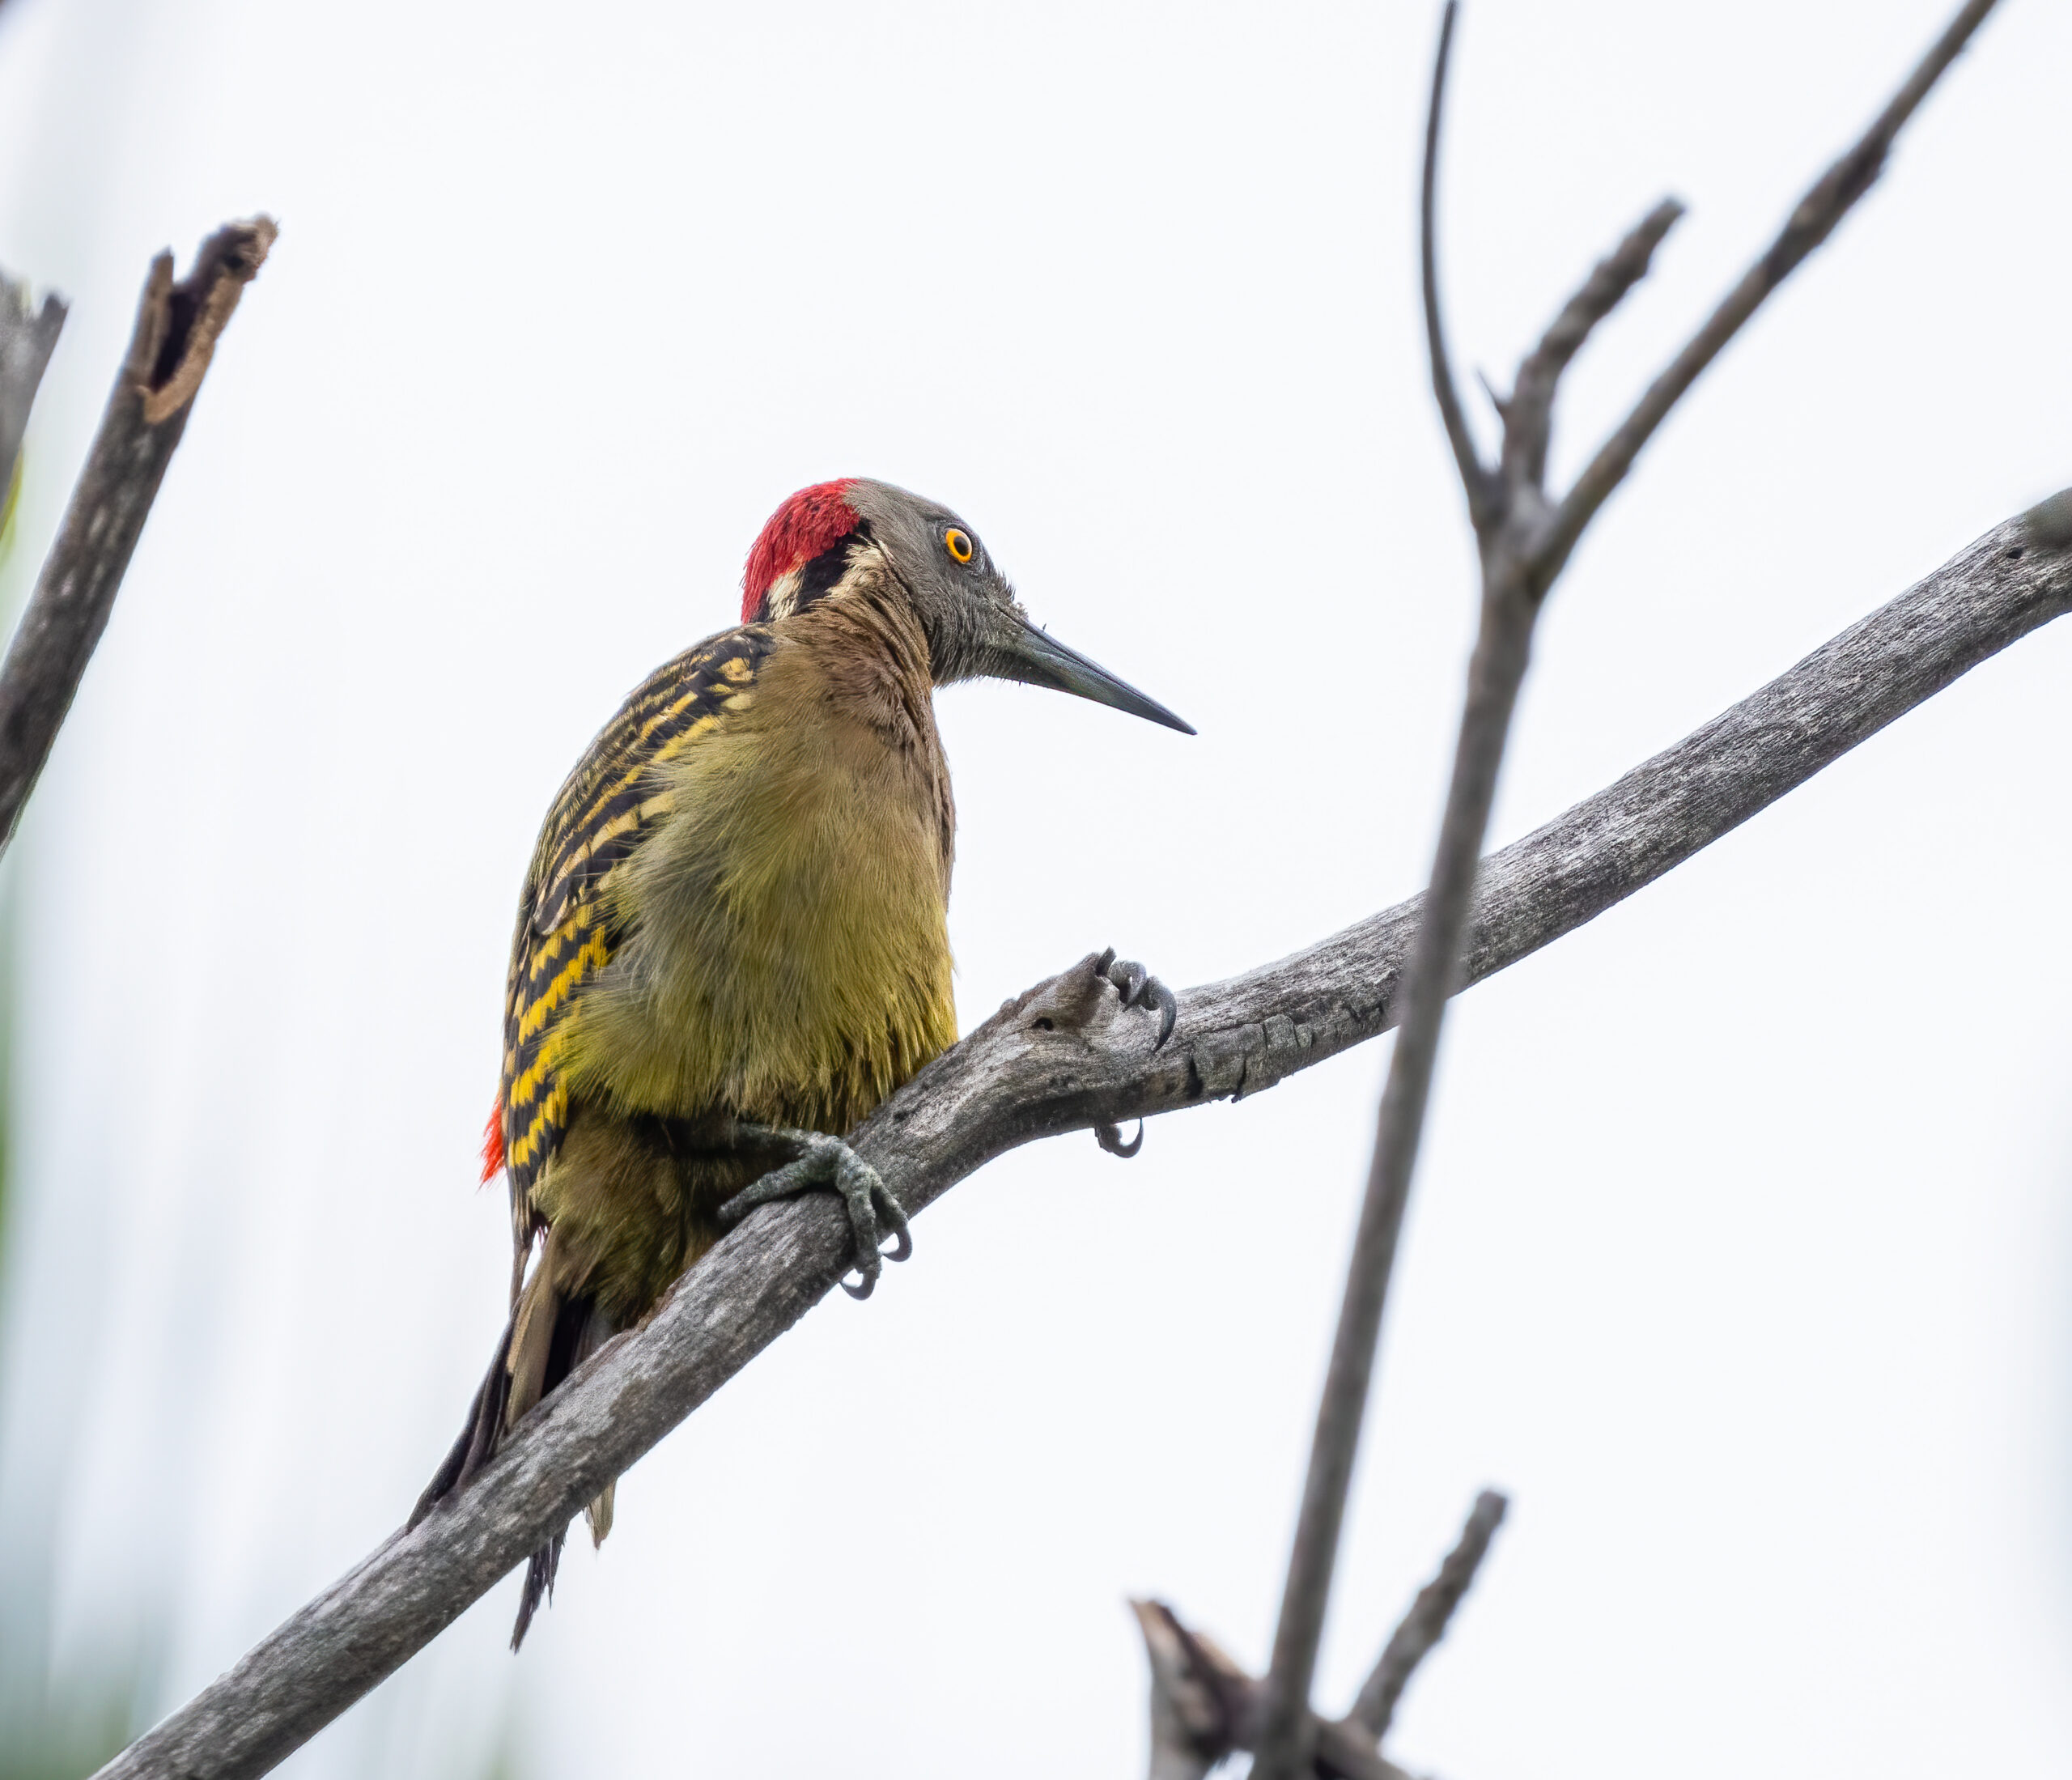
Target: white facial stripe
(783, 598)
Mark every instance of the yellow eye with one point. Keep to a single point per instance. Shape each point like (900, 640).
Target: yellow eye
(958, 544)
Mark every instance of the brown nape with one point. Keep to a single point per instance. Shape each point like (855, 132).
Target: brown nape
(873, 656)
(874, 668)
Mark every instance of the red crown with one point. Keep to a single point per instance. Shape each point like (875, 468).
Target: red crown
(811, 521)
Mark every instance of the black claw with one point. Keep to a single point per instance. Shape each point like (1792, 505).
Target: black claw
(1110, 1137)
(894, 1217)
(1139, 988)
(1169, 1011)
(863, 1290)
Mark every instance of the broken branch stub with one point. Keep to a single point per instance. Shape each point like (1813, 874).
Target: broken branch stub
(178, 324)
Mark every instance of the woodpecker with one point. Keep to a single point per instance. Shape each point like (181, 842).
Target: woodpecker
(732, 940)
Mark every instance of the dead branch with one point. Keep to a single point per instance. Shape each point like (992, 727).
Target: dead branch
(1525, 542)
(1809, 223)
(1205, 1708)
(177, 327)
(1425, 1624)
(1062, 1058)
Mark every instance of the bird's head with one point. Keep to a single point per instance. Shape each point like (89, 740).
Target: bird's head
(825, 540)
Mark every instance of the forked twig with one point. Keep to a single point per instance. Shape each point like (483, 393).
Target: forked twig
(1525, 542)
(1204, 1707)
(1810, 222)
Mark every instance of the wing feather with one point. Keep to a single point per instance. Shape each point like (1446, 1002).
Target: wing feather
(565, 933)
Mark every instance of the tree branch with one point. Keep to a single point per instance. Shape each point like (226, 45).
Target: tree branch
(1204, 1708)
(28, 338)
(1425, 1624)
(1431, 975)
(1474, 474)
(1523, 549)
(1808, 226)
(1529, 414)
(177, 327)
(1063, 1058)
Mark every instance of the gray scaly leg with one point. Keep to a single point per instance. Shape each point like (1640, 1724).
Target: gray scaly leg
(820, 1161)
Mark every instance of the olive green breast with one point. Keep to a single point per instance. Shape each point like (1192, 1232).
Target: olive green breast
(787, 957)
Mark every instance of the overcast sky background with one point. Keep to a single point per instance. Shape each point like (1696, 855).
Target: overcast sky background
(1741, 1256)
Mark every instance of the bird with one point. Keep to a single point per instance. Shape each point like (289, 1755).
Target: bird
(733, 939)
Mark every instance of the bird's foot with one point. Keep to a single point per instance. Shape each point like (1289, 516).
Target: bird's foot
(820, 1161)
(1139, 988)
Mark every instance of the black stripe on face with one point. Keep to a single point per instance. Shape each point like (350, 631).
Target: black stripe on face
(820, 577)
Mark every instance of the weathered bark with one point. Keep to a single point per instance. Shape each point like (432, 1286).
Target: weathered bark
(177, 327)
(1062, 1058)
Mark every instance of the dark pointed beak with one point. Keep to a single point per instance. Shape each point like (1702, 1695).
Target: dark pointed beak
(1038, 659)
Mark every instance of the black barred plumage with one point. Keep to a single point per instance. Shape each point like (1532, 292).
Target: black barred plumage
(565, 933)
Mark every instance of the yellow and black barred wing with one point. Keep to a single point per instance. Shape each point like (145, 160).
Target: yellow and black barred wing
(613, 799)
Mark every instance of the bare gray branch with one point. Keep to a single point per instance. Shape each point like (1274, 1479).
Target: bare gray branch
(1474, 474)
(177, 327)
(1524, 547)
(1529, 413)
(1204, 1707)
(1425, 1624)
(1810, 222)
(1064, 1057)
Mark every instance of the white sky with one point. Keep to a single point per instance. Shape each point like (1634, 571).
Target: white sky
(1741, 1250)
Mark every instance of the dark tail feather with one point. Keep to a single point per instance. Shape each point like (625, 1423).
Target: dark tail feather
(578, 1333)
(548, 1336)
(539, 1584)
(479, 1435)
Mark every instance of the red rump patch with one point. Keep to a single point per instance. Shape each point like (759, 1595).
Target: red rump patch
(493, 1144)
(811, 521)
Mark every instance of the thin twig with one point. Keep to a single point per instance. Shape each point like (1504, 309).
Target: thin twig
(1425, 1624)
(1473, 475)
(1810, 223)
(1064, 1057)
(1529, 412)
(1520, 561)
(28, 338)
(177, 327)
